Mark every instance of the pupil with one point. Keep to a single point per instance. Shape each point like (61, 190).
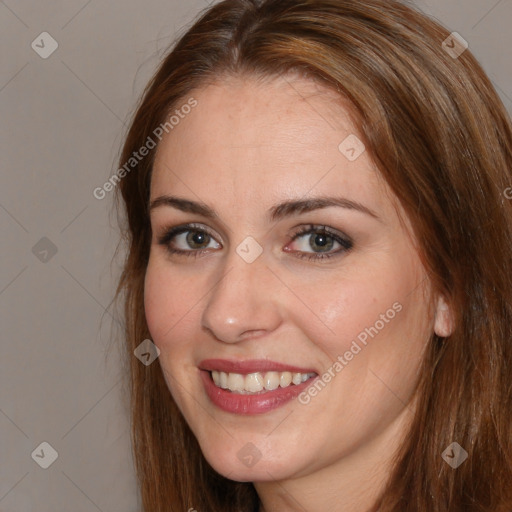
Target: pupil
(196, 238)
(321, 241)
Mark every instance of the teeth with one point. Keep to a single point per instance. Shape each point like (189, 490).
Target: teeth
(253, 382)
(271, 380)
(235, 381)
(256, 382)
(285, 379)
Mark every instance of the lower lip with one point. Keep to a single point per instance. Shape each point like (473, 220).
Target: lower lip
(251, 404)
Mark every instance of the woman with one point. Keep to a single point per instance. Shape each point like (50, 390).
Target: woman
(320, 249)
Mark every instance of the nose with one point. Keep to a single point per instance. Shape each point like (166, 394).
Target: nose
(244, 303)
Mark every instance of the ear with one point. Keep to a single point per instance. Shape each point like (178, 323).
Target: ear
(443, 323)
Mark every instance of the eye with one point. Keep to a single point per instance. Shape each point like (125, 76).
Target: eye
(192, 239)
(314, 242)
(321, 240)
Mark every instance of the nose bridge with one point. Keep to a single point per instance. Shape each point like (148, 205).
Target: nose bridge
(242, 301)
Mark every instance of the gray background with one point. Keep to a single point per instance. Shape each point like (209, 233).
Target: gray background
(63, 120)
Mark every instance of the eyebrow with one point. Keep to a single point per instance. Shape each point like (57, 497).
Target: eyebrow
(275, 213)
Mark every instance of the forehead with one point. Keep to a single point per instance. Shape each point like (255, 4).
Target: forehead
(254, 139)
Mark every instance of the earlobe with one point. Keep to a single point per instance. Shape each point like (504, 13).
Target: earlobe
(443, 325)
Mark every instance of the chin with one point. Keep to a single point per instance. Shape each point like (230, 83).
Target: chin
(247, 463)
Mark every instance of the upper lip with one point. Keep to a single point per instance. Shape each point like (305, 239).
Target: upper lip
(249, 366)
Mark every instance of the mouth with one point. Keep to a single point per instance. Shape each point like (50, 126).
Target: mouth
(253, 387)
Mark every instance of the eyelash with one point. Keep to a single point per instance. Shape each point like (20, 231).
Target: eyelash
(346, 243)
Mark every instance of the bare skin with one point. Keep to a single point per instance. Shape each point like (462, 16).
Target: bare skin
(247, 146)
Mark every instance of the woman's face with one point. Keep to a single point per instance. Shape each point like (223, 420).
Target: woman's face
(292, 321)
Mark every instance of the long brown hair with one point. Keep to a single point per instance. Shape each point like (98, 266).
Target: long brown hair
(442, 140)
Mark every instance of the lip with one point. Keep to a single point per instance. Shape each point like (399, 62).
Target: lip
(257, 403)
(250, 366)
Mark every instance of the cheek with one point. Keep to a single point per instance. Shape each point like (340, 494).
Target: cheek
(168, 300)
(340, 308)
(375, 320)
(371, 339)
(170, 304)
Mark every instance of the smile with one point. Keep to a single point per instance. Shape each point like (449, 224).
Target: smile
(252, 387)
